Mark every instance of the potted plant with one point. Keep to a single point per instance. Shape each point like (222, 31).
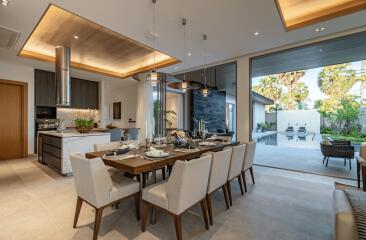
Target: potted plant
(83, 125)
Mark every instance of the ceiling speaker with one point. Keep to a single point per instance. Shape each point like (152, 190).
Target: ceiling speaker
(8, 37)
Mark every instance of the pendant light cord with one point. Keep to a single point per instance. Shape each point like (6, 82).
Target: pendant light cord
(154, 32)
(184, 22)
(205, 58)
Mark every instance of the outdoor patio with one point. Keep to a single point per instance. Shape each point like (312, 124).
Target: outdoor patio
(303, 160)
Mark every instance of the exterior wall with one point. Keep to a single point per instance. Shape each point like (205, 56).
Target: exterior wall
(299, 118)
(9, 71)
(259, 114)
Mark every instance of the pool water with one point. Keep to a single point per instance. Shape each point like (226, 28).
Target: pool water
(310, 140)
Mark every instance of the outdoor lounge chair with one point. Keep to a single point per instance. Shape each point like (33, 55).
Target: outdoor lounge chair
(338, 149)
(290, 129)
(301, 130)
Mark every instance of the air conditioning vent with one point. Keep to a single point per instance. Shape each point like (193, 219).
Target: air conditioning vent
(8, 37)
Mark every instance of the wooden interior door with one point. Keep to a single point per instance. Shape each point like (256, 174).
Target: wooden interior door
(13, 119)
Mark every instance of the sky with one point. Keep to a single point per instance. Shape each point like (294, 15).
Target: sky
(311, 80)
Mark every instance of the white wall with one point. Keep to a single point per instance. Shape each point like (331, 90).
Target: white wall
(174, 102)
(298, 118)
(127, 96)
(9, 71)
(259, 114)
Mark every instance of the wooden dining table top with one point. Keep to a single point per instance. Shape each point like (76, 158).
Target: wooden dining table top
(142, 164)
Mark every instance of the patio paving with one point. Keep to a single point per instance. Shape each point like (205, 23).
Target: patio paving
(303, 160)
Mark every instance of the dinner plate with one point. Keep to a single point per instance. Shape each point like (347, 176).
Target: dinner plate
(157, 154)
(207, 144)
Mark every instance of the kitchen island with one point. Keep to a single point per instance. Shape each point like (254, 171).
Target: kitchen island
(56, 147)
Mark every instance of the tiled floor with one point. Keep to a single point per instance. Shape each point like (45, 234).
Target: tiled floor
(304, 160)
(37, 203)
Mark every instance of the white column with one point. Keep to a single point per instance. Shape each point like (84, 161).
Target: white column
(144, 113)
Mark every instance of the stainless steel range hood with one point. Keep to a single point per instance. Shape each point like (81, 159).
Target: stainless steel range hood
(63, 82)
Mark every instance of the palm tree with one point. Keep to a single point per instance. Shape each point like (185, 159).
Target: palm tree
(290, 80)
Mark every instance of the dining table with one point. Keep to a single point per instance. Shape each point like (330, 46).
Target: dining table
(141, 164)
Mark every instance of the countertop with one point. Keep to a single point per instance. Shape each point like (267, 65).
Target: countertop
(68, 134)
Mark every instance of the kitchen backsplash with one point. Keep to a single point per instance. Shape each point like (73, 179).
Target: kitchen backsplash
(68, 115)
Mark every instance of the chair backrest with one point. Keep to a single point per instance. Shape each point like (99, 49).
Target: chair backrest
(107, 146)
(363, 151)
(219, 169)
(92, 181)
(188, 183)
(249, 155)
(237, 161)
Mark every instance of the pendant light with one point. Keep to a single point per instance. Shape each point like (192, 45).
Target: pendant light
(153, 76)
(204, 90)
(184, 85)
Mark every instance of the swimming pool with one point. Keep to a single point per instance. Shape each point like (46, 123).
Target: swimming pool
(310, 140)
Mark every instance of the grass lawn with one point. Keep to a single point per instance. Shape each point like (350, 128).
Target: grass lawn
(345, 138)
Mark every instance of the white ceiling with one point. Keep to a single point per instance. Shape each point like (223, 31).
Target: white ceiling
(229, 25)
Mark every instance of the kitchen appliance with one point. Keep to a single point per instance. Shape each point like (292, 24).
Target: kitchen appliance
(63, 82)
(45, 121)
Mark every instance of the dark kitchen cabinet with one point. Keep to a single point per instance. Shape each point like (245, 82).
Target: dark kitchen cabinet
(45, 88)
(84, 93)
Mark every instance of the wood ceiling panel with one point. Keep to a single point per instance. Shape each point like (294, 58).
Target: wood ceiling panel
(300, 13)
(97, 49)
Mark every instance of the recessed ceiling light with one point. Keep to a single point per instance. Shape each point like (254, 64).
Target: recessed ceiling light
(189, 54)
(320, 50)
(5, 2)
(317, 30)
(176, 68)
(321, 29)
(76, 36)
(256, 33)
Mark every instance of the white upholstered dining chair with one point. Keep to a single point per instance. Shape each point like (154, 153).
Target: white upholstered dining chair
(248, 162)
(218, 177)
(186, 186)
(96, 187)
(236, 166)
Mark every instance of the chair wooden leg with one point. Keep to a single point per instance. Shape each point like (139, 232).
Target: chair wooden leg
(209, 207)
(144, 179)
(326, 164)
(240, 184)
(144, 216)
(178, 226)
(163, 172)
(228, 185)
(349, 160)
(79, 203)
(345, 162)
(358, 174)
(244, 180)
(153, 215)
(224, 189)
(98, 219)
(137, 205)
(324, 159)
(252, 173)
(204, 212)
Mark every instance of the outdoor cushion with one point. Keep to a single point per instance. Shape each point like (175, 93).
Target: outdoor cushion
(327, 142)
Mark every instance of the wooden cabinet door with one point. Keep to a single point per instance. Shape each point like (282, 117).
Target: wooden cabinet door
(45, 88)
(84, 94)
